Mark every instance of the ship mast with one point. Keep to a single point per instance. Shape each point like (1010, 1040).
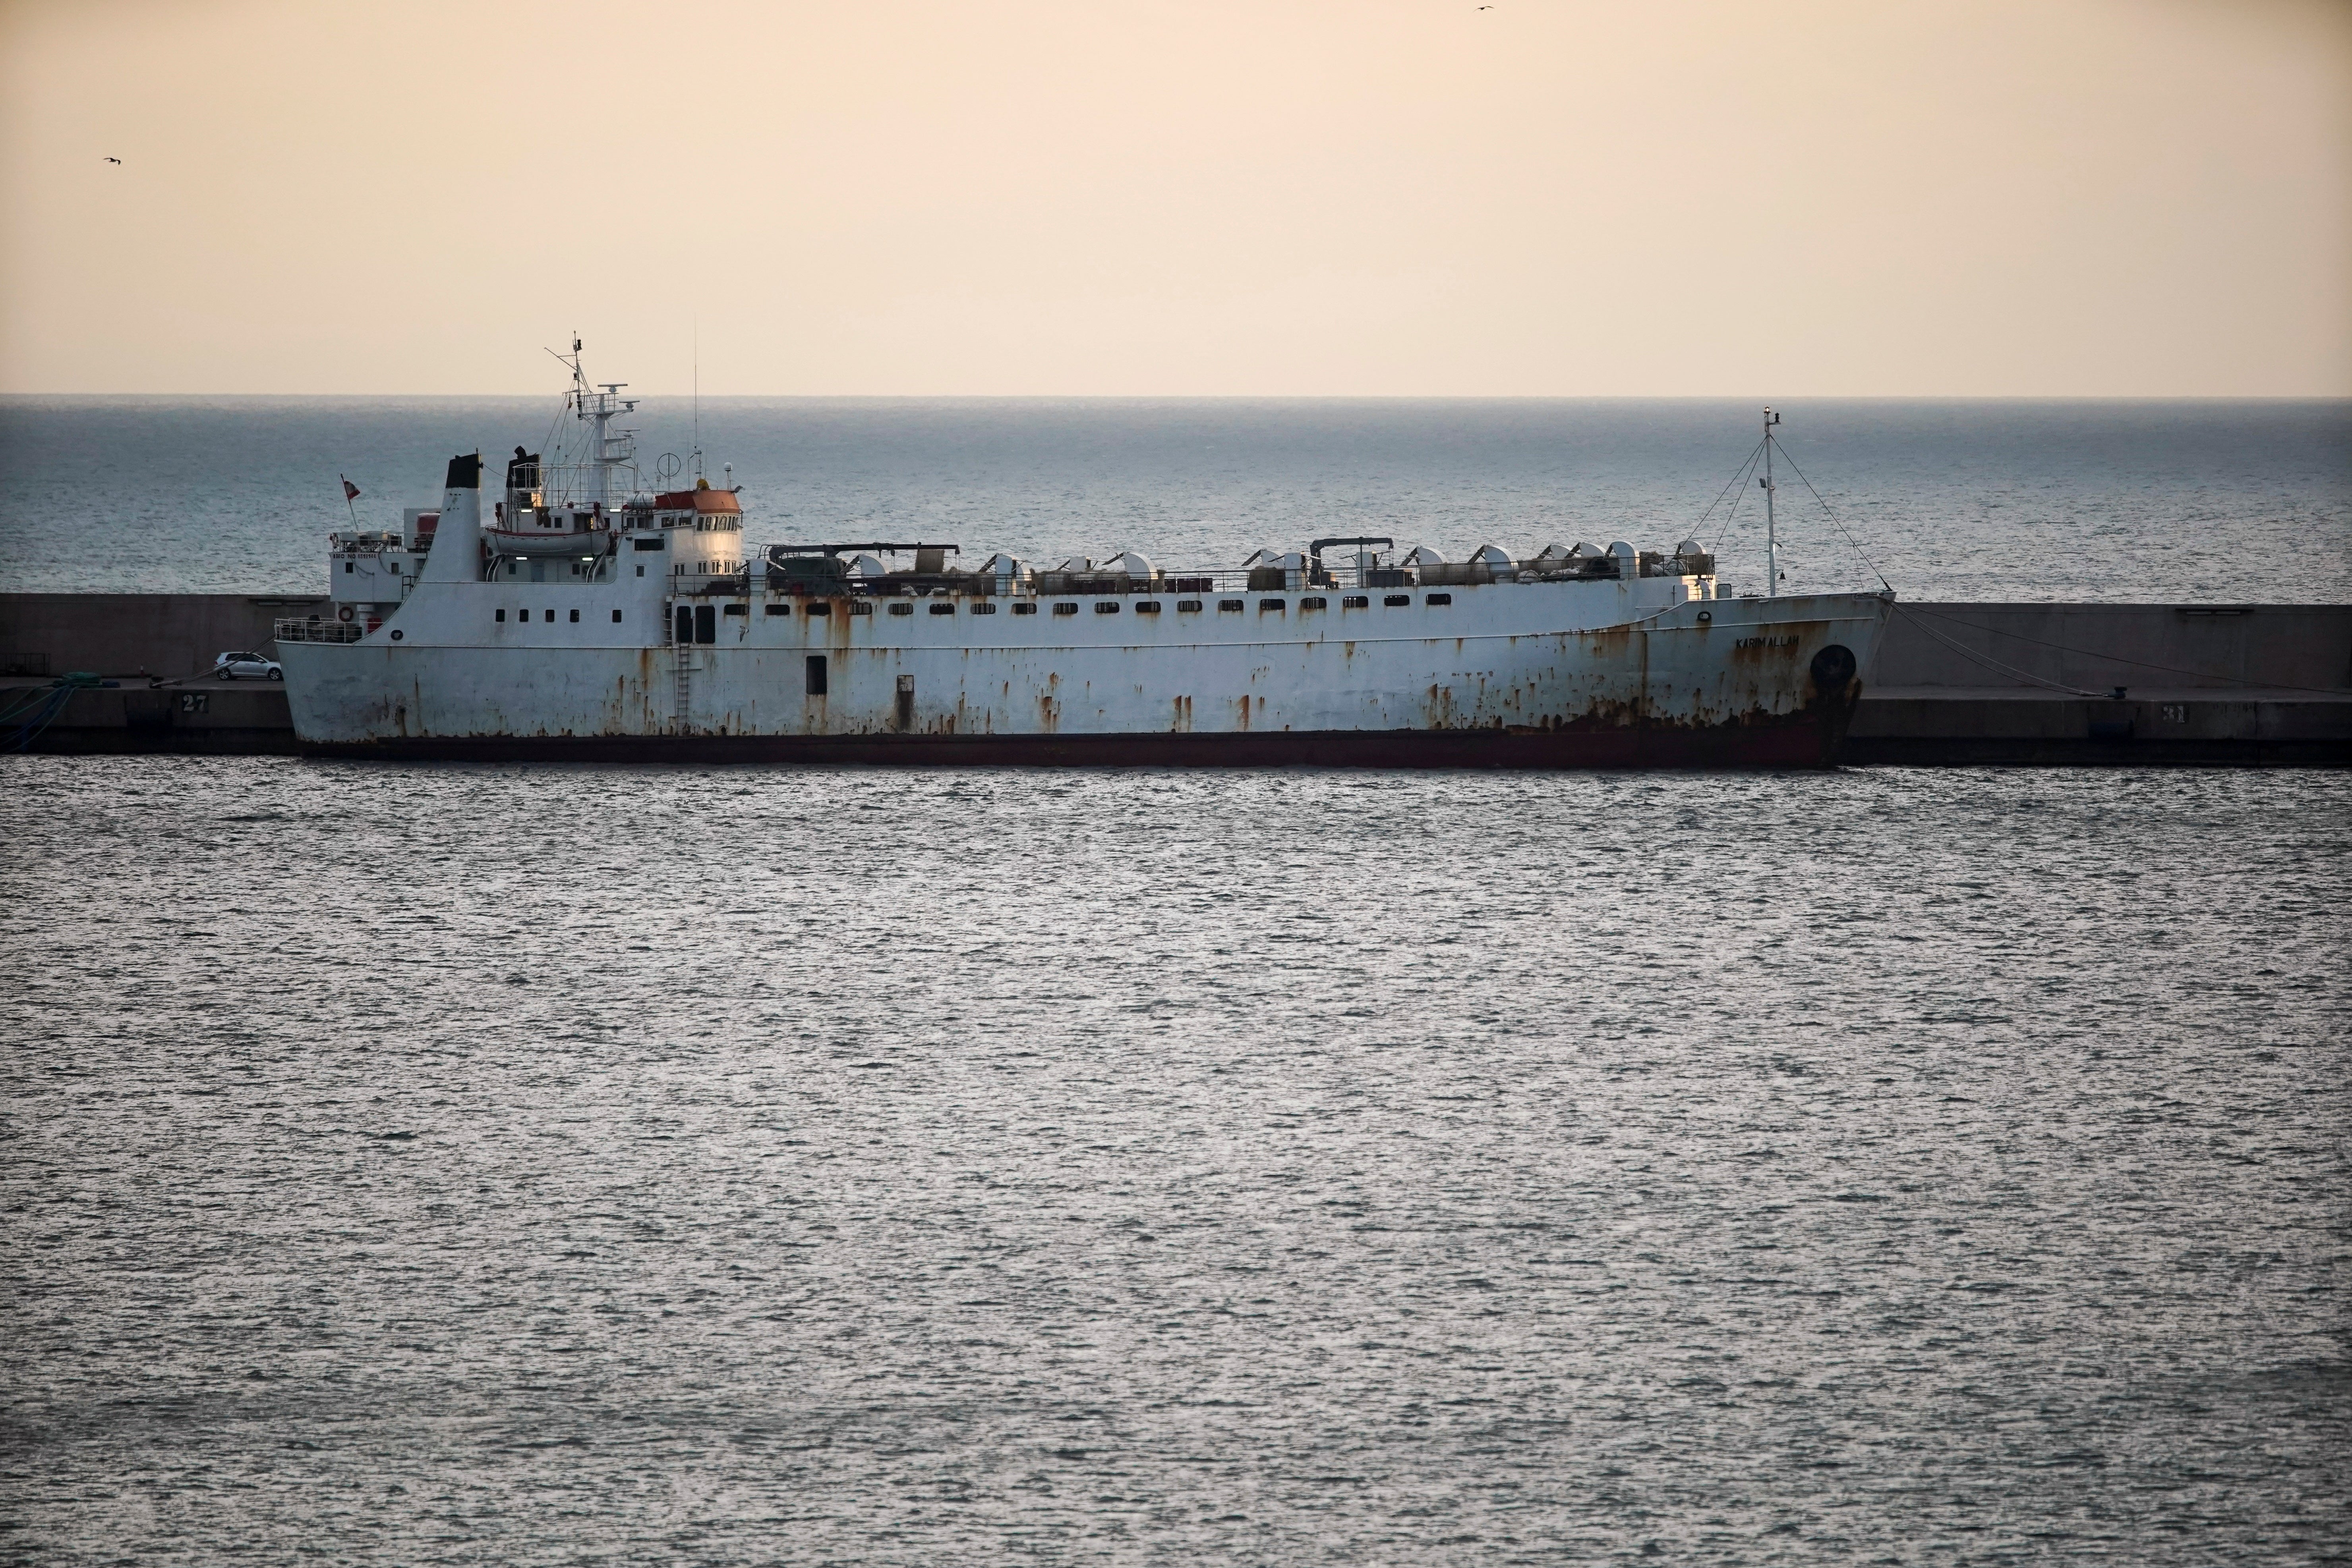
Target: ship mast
(600, 403)
(1771, 524)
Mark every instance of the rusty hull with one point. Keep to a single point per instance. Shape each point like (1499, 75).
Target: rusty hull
(1509, 675)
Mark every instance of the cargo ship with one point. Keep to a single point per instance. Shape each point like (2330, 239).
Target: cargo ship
(595, 617)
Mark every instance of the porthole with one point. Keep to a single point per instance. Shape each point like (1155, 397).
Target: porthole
(732, 609)
(1107, 607)
(1355, 602)
(1147, 606)
(1274, 606)
(780, 609)
(1024, 609)
(1705, 616)
(1437, 599)
(984, 609)
(1314, 604)
(395, 637)
(857, 607)
(1397, 600)
(1066, 609)
(902, 609)
(1188, 607)
(943, 609)
(1223, 604)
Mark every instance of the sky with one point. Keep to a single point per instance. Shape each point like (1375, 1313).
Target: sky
(1147, 197)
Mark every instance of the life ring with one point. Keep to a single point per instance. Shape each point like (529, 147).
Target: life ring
(344, 614)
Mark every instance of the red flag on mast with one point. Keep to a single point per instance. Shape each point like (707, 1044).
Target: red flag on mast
(351, 490)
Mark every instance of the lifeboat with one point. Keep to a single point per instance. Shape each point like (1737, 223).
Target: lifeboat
(544, 533)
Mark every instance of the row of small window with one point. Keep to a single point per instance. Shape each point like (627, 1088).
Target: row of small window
(390, 566)
(1111, 606)
(525, 615)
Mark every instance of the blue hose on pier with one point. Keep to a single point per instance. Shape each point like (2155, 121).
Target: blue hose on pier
(40, 707)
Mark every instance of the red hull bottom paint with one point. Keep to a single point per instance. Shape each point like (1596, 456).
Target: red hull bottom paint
(1808, 741)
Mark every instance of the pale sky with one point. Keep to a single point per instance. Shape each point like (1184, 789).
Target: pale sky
(1378, 197)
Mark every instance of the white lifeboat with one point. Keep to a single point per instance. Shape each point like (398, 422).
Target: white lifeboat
(531, 531)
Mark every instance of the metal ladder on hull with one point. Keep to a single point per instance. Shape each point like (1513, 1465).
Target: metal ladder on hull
(682, 693)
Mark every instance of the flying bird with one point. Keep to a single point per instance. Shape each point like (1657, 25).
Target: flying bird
(113, 160)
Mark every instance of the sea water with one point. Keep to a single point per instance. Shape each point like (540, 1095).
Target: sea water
(460, 1165)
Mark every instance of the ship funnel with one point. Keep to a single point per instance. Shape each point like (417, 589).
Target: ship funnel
(458, 543)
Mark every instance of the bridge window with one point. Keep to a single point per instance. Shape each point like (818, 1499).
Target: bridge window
(780, 609)
(902, 609)
(1025, 608)
(1223, 604)
(1395, 601)
(1188, 607)
(1314, 604)
(1147, 606)
(1276, 605)
(1066, 609)
(1354, 602)
(1438, 599)
(1107, 607)
(857, 607)
(819, 607)
(943, 609)
(984, 609)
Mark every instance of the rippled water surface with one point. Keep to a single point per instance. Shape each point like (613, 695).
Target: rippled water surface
(440, 1165)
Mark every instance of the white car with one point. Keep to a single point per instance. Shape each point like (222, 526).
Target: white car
(247, 666)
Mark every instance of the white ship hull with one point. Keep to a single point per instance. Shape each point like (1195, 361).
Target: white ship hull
(1548, 673)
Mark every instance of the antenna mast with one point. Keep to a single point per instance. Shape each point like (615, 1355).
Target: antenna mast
(1771, 524)
(607, 449)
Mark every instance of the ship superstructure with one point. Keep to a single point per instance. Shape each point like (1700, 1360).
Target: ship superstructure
(593, 616)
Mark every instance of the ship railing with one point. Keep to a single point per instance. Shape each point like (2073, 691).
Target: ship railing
(1057, 583)
(1199, 581)
(314, 628)
(571, 484)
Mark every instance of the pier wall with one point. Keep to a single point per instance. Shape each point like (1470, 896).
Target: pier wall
(2101, 646)
(167, 635)
(2091, 685)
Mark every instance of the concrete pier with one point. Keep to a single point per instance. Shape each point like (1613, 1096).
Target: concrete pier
(2019, 684)
(2080, 684)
